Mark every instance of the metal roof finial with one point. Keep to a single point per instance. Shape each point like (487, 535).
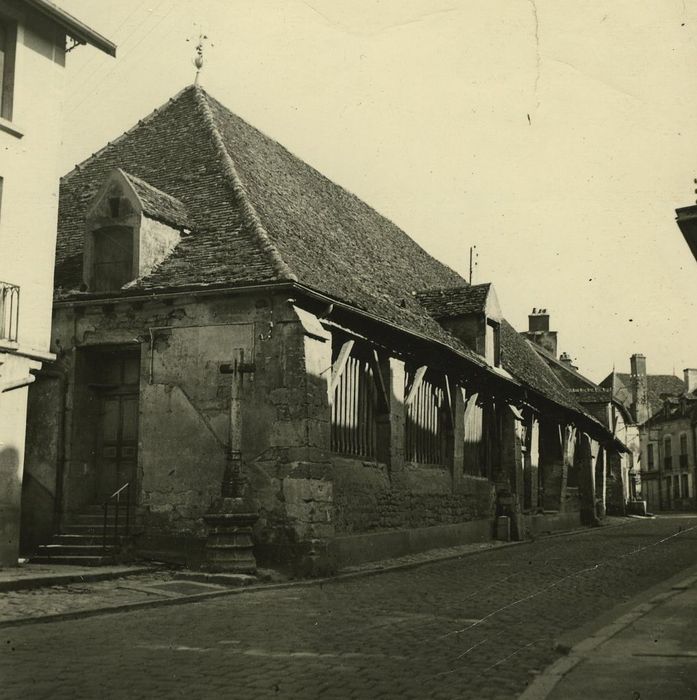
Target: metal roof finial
(198, 54)
(198, 59)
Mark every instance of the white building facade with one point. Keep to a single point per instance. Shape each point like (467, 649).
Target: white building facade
(34, 37)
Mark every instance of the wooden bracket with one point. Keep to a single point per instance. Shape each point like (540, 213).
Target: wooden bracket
(383, 396)
(339, 366)
(416, 383)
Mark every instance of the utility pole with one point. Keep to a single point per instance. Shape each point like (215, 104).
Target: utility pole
(473, 260)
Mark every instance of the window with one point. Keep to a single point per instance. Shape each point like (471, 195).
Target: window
(685, 486)
(425, 421)
(667, 488)
(113, 258)
(676, 487)
(650, 456)
(492, 343)
(683, 451)
(668, 452)
(354, 401)
(7, 59)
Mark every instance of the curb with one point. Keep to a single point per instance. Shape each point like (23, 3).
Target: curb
(338, 578)
(63, 579)
(542, 685)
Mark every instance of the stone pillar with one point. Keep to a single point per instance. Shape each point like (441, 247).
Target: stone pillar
(601, 482)
(511, 479)
(585, 462)
(458, 436)
(552, 443)
(394, 375)
(532, 465)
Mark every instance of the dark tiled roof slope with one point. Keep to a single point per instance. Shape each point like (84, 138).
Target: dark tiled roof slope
(159, 205)
(259, 214)
(454, 301)
(657, 384)
(592, 395)
(520, 358)
(172, 150)
(329, 238)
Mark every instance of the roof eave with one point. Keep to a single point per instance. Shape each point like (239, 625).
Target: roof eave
(74, 27)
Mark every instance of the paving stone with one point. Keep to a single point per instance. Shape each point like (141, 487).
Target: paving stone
(467, 628)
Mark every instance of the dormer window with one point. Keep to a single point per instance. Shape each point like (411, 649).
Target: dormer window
(115, 206)
(471, 313)
(113, 258)
(493, 342)
(131, 227)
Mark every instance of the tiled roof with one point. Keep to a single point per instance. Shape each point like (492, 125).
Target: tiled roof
(519, 357)
(454, 301)
(159, 205)
(657, 385)
(259, 214)
(599, 395)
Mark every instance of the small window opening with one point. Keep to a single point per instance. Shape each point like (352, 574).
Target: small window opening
(115, 207)
(7, 60)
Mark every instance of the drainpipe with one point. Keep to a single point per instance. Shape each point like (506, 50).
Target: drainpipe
(694, 460)
(62, 378)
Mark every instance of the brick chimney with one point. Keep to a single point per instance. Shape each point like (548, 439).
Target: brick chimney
(567, 360)
(538, 331)
(690, 380)
(640, 388)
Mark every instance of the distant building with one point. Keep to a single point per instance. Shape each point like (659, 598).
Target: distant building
(33, 35)
(669, 448)
(665, 441)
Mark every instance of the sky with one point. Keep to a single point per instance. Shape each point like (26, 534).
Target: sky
(556, 136)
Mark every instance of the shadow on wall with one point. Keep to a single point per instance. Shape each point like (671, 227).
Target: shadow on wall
(10, 499)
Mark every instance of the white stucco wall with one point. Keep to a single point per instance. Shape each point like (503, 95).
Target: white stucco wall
(28, 166)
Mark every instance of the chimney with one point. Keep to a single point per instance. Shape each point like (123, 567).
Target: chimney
(567, 360)
(690, 380)
(640, 388)
(538, 320)
(538, 331)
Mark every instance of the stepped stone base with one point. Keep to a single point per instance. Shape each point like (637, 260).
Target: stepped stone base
(230, 548)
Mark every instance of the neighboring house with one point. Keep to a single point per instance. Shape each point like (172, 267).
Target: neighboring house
(669, 449)
(643, 395)
(617, 476)
(33, 36)
(219, 302)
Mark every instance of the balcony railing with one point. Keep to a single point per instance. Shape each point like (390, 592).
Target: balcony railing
(668, 462)
(9, 311)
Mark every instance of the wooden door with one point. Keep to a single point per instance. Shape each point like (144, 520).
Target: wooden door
(117, 449)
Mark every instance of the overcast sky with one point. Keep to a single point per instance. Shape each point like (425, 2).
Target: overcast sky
(558, 136)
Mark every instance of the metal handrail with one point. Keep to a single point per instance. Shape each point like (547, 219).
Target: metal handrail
(9, 311)
(116, 497)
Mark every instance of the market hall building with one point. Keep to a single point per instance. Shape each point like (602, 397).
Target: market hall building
(219, 302)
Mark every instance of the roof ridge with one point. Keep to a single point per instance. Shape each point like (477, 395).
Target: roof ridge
(130, 176)
(248, 211)
(138, 124)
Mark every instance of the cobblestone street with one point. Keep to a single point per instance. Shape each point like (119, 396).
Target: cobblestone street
(477, 627)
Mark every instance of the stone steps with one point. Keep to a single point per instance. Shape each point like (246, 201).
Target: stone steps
(82, 541)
